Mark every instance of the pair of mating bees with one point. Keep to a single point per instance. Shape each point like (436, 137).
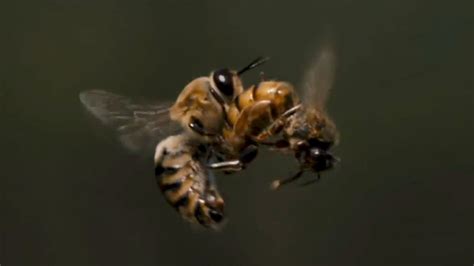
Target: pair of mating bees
(217, 125)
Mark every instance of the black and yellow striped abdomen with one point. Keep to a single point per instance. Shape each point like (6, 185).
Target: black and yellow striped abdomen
(186, 185)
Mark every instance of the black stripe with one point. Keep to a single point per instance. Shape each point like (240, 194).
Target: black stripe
(172, 186)
(200, 216)
(216, 216)
(183, 201)
(160, 170)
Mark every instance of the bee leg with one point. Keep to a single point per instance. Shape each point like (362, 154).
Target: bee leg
(248, 154)
(262, 76)
(197, 126)
(279, 182)
(292, 110)
(232, 166)
(272, 130)
(280, 145)
(278, 124)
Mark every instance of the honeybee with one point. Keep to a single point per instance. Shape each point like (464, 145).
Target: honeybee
(273, 109)
(191, 125)
(182, 160)
(186, 182)
(310, 133)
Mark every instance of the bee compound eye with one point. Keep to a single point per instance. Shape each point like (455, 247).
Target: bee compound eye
(224, 82)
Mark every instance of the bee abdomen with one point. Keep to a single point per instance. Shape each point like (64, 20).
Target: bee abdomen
(176, 184)
(208, 216)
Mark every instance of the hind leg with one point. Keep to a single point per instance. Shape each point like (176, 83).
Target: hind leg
(228, 166)
(279, 182)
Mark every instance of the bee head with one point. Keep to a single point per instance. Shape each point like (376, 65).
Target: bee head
(315, 154)
(320, 160)
(225, 84)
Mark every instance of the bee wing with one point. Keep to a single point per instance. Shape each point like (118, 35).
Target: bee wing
(140, 126)
(319, 77)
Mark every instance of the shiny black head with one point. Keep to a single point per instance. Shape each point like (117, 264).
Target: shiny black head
(320, 160)
(320, 144)
(224, 82)
(315, 155)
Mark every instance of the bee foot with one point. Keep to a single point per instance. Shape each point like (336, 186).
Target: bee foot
(275, 185)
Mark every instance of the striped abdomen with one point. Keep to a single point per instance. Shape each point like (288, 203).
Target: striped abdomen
(185, 184)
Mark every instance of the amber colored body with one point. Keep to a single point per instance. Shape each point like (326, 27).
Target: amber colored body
(272, 109)
(253, 111)
(197, 102)
(201, 104)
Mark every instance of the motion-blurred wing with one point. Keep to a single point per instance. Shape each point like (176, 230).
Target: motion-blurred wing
(319, 77)
(139, 126)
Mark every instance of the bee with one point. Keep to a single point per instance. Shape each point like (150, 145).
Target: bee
(273, 109)
(182, 159)
(310, 133)
(191, 126)
(186, 182)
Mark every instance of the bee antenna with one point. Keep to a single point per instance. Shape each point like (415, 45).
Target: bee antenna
(255, 63)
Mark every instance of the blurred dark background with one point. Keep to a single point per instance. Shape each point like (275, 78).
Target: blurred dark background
(403, 101)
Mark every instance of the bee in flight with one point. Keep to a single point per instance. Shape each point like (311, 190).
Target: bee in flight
(184, 134)
(216, 125)
(310, 133)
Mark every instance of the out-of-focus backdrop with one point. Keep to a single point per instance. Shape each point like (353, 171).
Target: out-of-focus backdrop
(403, 101)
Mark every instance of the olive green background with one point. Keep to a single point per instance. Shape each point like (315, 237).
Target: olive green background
(403, 101)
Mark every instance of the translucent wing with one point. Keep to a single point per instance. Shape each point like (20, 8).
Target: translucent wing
(319, 77)
(139, 126)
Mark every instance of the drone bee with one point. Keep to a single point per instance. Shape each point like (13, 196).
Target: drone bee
(182, 160)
